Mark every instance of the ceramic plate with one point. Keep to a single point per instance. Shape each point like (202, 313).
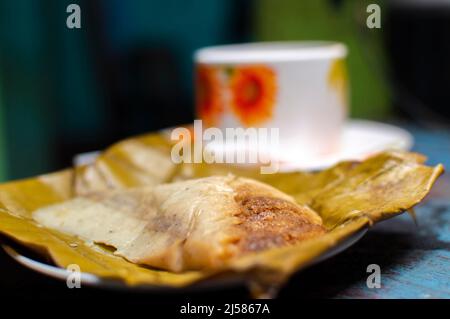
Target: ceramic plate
(94, 281)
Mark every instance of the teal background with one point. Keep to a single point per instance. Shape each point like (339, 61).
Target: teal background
(64, 91)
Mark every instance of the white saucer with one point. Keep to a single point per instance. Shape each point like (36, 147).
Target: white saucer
(360, 139)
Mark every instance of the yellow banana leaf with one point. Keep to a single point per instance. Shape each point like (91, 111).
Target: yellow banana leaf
(348, 196)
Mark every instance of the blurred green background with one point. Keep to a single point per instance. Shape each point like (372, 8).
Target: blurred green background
(129, 68)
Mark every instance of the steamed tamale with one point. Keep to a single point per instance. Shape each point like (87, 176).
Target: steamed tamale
(195, 224)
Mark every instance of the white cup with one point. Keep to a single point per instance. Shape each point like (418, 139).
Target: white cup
(301, 88)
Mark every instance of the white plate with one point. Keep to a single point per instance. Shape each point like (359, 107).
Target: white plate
(95, 281)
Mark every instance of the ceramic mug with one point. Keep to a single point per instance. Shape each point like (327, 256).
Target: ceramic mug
(300, 88)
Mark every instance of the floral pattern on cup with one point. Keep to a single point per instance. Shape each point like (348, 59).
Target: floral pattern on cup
(338, 79)
(253, 93)
(209, 95)
(248, 91)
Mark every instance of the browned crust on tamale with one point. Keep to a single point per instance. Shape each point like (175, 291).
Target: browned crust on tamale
(268, 222)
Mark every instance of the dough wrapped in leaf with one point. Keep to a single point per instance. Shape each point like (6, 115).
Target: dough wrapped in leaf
(195, 224)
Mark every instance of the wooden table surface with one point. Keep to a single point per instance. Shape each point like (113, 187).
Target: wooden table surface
(414, 259)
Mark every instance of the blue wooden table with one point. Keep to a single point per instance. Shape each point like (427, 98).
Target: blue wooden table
(414, 259)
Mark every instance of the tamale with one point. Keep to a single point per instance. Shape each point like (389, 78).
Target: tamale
(195, 224)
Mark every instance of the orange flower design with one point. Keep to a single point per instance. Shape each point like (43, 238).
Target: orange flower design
(338, 80)
(253, 91)
(208, 95)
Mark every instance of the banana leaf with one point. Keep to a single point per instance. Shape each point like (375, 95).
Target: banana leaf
(348, 196)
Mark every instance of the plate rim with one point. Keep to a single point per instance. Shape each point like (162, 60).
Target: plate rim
(95, 281)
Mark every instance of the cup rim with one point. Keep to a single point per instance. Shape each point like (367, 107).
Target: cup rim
(263, 52)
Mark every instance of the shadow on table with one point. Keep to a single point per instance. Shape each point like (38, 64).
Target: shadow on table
(340, 273)
(393, 243)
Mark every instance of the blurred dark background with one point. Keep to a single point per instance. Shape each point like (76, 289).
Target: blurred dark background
(129, 68)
